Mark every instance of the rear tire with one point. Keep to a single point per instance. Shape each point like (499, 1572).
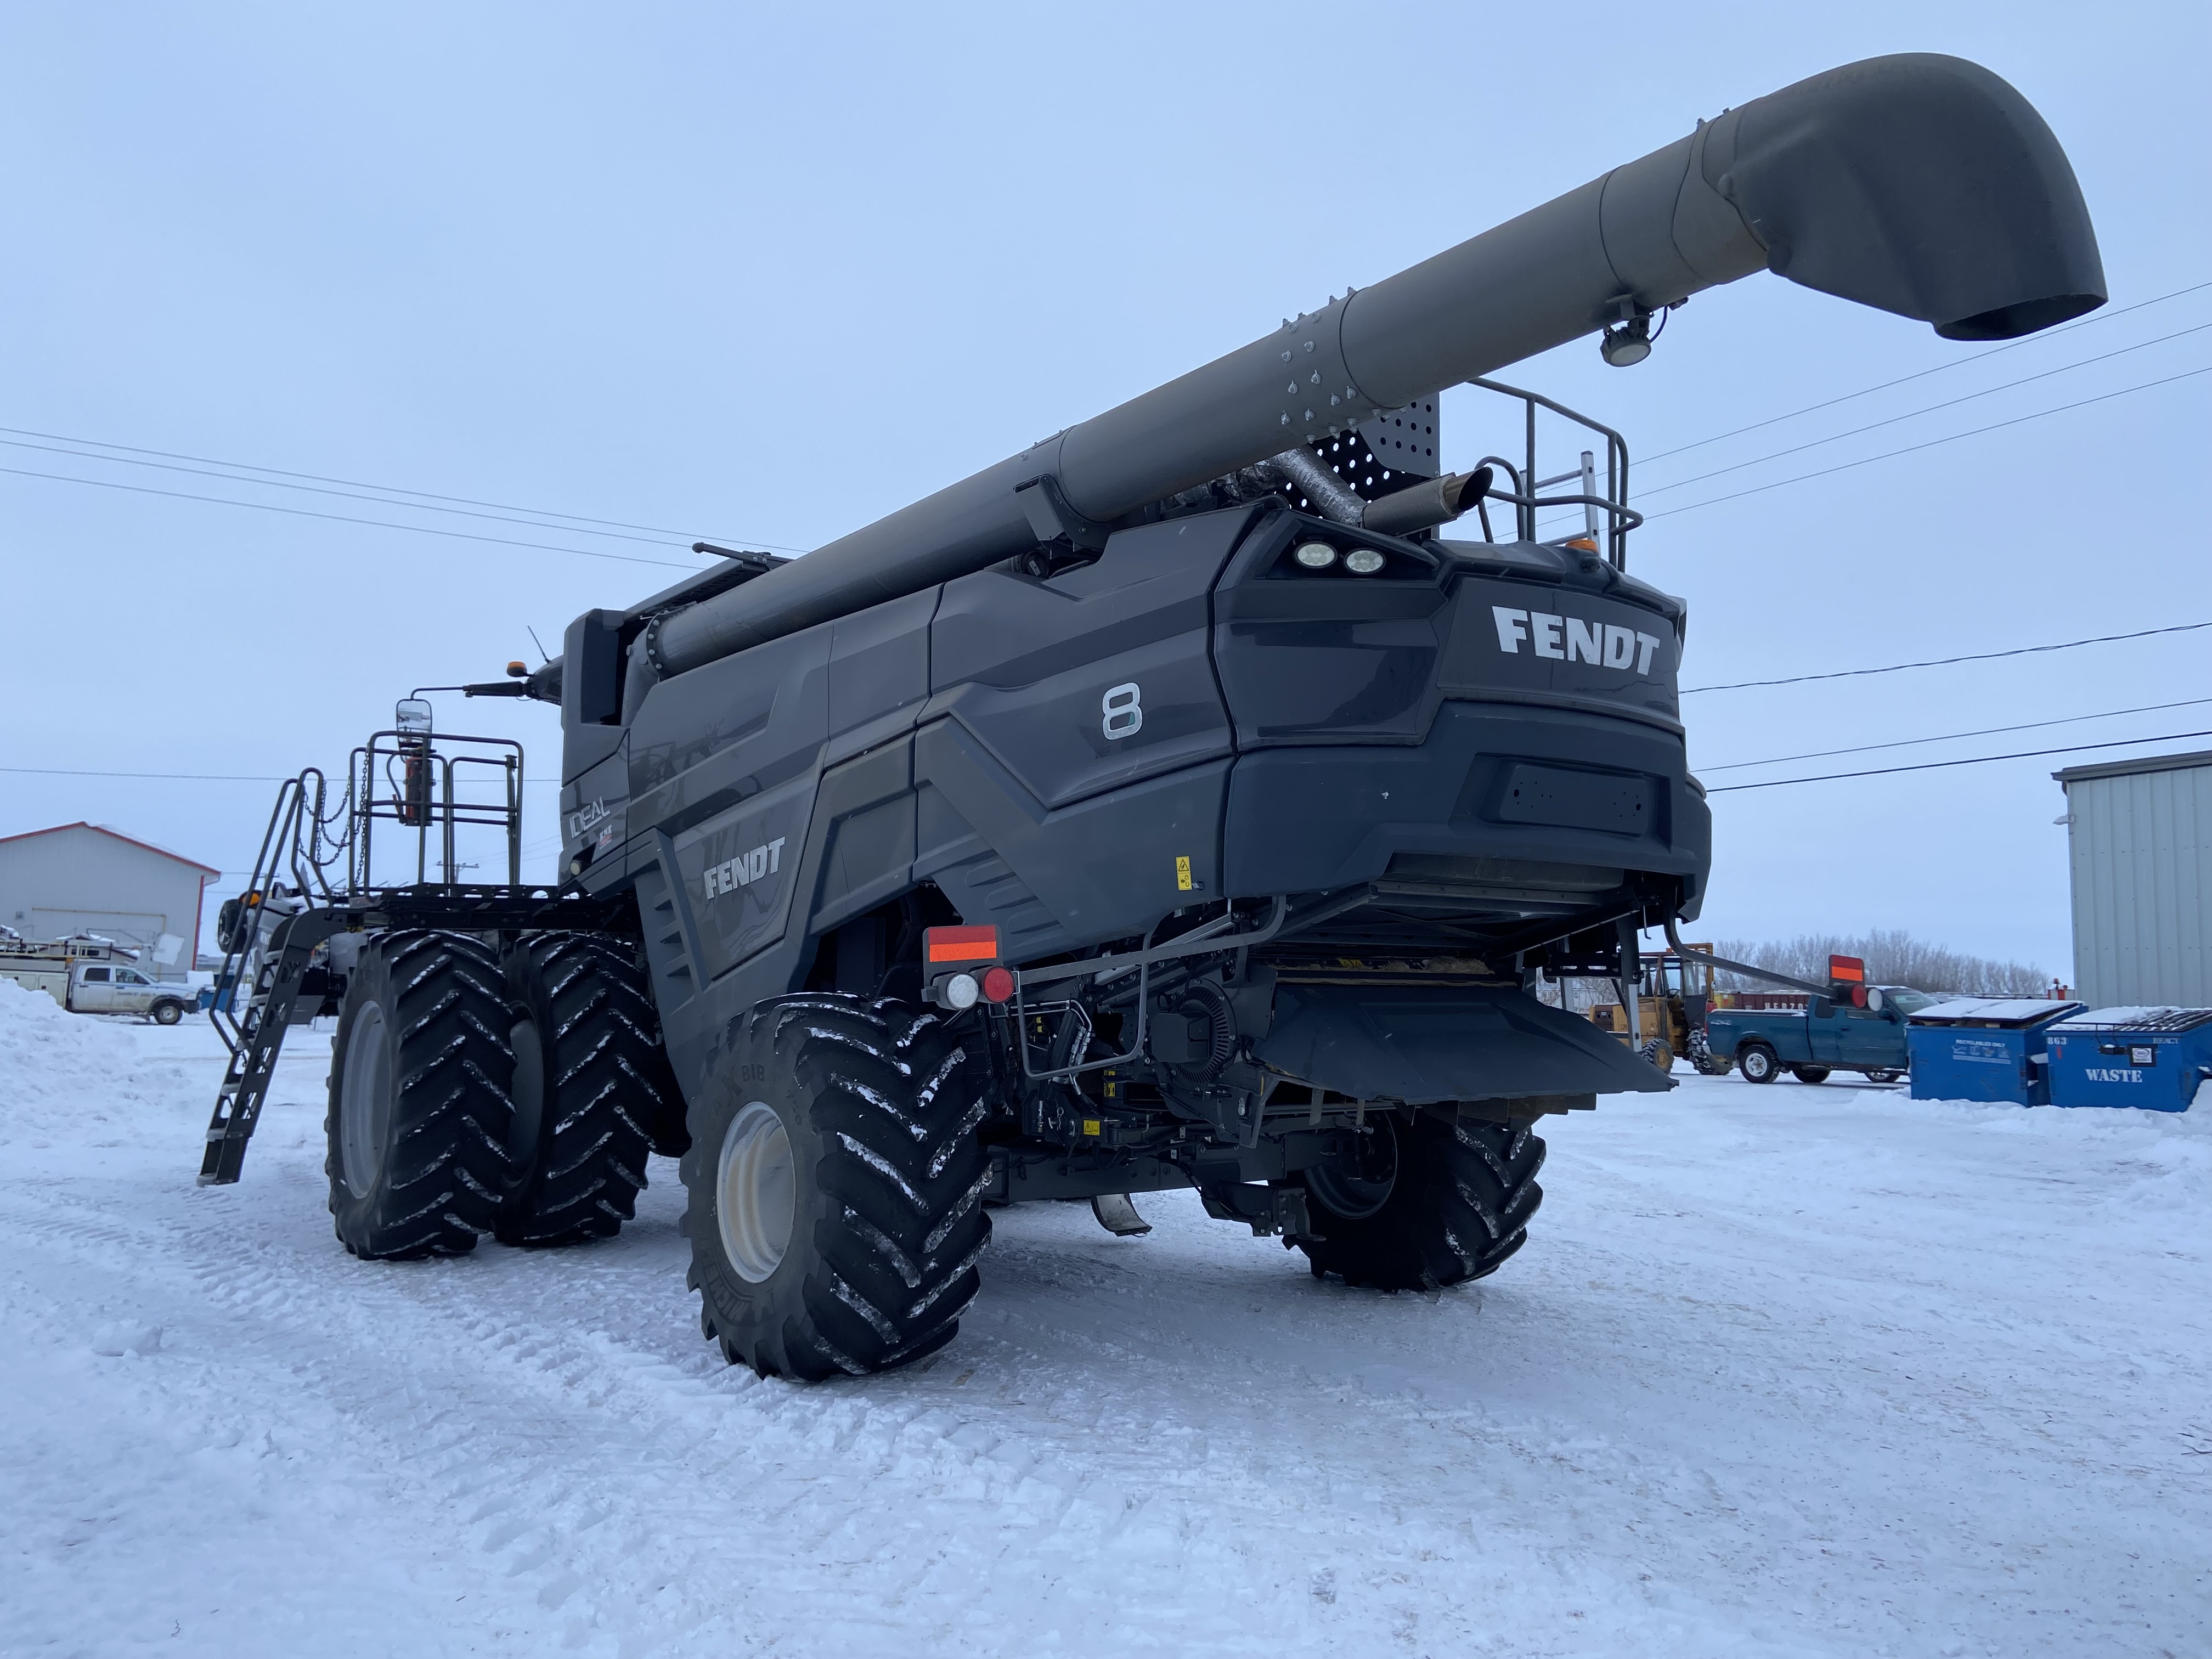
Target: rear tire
(1810, 1073)
(1884, 1075)
(1758, 1063)
(591, 1081)
(837, 1184)
(1457, 1206)
(420, 1104)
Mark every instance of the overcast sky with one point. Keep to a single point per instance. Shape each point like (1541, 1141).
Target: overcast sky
(764, 275)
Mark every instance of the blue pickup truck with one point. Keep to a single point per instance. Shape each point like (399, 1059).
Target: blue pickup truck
(1831, 1035)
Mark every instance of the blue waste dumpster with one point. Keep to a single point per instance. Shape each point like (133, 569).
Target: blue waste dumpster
(1983, 1048)
(2150, 1057)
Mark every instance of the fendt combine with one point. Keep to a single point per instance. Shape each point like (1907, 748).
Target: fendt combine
(1169, 805)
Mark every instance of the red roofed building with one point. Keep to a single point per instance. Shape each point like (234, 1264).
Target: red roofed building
(88, 878)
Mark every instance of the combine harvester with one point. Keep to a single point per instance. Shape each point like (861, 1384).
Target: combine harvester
(1170, 804)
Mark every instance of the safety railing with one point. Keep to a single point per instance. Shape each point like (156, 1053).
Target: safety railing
(1607, 516)
(410, 796)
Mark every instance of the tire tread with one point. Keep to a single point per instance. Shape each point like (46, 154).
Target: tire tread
(447, 1162)
(607, 1081)
(895, 1101)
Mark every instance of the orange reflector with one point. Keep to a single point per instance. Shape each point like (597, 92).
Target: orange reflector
(946, 945)
(1852, 970)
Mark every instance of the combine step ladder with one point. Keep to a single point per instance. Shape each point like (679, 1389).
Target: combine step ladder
(260, 1039)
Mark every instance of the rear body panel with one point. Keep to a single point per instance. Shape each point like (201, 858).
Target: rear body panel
(1483, 737)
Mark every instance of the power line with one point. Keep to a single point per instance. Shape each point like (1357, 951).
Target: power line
(1977, 760)
(389, 489)
(1930, 409)
(344, 518)
(1922, 375)
(1910, 449)
(1945, 662)
(1554, 524)
(190, 777)
(1953, 737)
(346, 494)
(197, 777)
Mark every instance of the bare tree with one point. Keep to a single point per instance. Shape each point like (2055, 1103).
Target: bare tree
(1893, 957)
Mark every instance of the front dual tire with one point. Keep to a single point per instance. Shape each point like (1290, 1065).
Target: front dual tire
(421, 1103)
(593, 1093)
(474, 1090)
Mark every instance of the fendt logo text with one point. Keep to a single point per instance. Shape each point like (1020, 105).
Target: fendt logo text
(743, 870)
(1569, 639)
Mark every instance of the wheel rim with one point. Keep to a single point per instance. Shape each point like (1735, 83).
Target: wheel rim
(365, 1101)
(1356, 1187)
(757, 1192)
(1755, 1063)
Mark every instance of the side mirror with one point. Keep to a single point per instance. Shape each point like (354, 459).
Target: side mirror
(411, 718)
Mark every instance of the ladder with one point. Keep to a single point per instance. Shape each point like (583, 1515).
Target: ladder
(259, 1039)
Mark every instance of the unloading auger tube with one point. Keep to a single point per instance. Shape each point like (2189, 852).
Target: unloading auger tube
(1920, 185)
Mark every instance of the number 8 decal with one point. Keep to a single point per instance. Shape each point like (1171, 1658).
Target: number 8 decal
(1124, 710)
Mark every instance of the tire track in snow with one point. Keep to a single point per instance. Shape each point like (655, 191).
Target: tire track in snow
(1775, 1377)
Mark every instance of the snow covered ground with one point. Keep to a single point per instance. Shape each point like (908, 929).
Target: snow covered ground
(1783, 1371)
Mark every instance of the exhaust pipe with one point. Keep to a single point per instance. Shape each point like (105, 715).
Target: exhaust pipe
(1427, 504)
(1918, 185)
(1421, 505)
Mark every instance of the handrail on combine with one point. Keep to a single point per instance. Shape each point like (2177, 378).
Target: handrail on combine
(425, 793)
(314, 853)
(1619, 517)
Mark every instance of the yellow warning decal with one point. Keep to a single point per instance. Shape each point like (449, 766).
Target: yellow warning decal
(1092, 1126)
(1182, 875)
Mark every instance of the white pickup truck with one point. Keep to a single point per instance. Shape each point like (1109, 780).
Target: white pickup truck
(114, 987)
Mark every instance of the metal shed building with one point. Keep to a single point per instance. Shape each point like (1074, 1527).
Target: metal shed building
(2139, 833)
(88, 878)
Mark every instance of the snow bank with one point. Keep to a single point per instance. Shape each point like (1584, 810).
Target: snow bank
(83, 1078)
(2159, 1160)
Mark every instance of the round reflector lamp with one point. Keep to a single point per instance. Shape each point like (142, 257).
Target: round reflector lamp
(1315, 556)
(1362, 561)
(998, 984)
(961, 991)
